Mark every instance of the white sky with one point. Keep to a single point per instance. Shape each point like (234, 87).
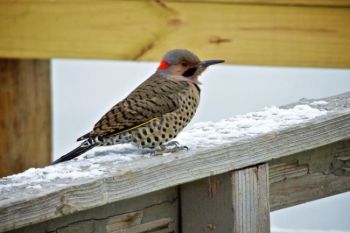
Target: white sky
(84, 90)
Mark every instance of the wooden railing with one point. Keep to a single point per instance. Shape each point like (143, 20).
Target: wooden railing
(227, 188)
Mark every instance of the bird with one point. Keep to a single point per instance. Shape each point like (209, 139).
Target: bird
(155, 112)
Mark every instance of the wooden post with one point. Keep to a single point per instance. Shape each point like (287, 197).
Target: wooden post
(25, 115)
(251, 200)
(206, 205)
(232, 202)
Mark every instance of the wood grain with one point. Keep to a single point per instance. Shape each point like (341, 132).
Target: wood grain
(250, 199)
(81, 29)
(262, 32)
(25, 119)
(155, 212)
(231, 202)
(206, 205)
(18, 208)
(324, 3)
(309, 175)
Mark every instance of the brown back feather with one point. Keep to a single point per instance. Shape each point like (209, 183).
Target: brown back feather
(153, 98)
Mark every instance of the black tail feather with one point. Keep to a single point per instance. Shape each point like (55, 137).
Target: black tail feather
(73, 154)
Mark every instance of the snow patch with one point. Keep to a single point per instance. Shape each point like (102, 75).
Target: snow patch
(64, 173)
(319, 102)
(200, 135)
(209, 134)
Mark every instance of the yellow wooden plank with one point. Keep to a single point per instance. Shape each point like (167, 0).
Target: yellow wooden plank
(240, 33)
(85, 29)
(263, 35)
(278, 2)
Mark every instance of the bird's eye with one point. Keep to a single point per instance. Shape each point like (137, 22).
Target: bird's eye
(184, 64)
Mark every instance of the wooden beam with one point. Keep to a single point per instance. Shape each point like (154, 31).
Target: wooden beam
(251, 200)
(156, 212)
(310, 175)
(262, 32)
(25, 119)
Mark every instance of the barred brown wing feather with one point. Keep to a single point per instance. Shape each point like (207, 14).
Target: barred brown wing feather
(126, 116)
(152, 99)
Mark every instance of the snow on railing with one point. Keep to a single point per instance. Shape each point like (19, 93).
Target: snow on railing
(123, 171)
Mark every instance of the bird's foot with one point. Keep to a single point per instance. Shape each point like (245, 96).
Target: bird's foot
(170, 147)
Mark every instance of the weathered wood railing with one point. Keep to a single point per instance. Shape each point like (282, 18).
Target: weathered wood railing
(229, 188)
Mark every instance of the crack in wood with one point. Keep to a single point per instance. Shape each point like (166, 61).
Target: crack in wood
(143, 50)
(283, 171)
(170, 22)
(213, 186)
(123, 221)
(340, 166)
(219, 40)
(171, 201)
(163, 5)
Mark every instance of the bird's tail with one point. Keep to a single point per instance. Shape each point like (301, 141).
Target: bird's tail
(74, 153)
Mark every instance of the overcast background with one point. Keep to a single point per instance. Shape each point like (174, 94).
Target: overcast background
(83, 90)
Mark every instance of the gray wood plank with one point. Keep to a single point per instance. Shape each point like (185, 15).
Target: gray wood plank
(232, 202)
(157, 211)
(310, 175)
(251, 200)
(19, 209)
(206, 205)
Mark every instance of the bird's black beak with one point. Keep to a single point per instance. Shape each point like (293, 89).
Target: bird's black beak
(210, 62)
(201, 66)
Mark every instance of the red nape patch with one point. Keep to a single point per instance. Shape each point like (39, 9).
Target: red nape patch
(163, 65)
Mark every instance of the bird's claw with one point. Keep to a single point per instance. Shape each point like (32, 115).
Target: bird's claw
(172, 143)
(170, 147)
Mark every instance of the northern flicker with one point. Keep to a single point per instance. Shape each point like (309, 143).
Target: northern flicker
(156, 111)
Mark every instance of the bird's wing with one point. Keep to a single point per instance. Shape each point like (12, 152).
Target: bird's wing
(153, 98)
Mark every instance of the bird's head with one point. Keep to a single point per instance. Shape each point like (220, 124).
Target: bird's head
(181, 64)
